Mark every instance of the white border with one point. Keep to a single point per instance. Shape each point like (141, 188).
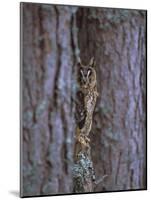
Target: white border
(9, 98)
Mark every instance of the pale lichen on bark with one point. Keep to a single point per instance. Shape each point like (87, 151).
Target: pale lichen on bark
(83, 174)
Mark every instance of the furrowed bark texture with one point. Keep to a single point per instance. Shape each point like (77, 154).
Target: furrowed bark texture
(53, 39)
(48, 120)
(117, 40)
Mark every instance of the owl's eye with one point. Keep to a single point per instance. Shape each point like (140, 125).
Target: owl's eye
(81, 71)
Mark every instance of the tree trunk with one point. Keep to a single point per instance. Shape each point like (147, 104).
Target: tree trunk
(48, 112)
(116, 38)
(53, 39)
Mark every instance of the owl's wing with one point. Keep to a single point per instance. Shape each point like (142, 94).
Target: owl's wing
(80, 114)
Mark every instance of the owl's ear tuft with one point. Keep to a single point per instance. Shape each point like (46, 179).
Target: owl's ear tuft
(79, 64)
(92, 62)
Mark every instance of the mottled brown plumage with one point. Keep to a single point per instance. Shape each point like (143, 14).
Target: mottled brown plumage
(86, 98)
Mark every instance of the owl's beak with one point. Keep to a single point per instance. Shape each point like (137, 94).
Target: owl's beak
(84, 79)
(85, 86)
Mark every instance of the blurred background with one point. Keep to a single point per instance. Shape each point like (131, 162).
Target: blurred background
(53, 38)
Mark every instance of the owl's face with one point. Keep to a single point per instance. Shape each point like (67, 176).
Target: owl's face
(86, 75)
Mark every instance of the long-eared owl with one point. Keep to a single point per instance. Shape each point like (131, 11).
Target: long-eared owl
(86, 95)
(85, 104)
